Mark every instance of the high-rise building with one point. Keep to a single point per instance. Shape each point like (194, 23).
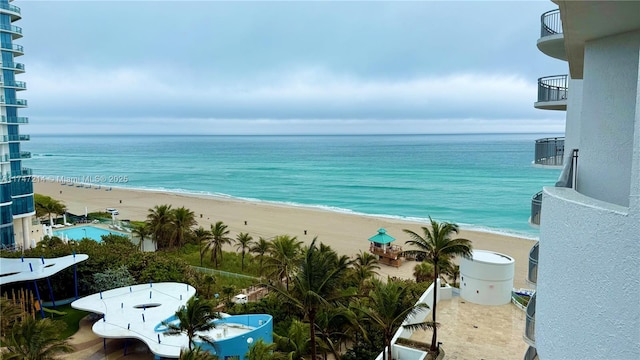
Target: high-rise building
(16, 187)
(586, 266)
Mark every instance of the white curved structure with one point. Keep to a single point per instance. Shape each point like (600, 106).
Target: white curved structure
(487, 278)
(138, 311)
(588, 264)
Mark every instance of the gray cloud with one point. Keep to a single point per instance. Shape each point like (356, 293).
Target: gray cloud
(285, 65)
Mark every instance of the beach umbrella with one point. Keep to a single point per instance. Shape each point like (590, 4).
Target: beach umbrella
(86, 212)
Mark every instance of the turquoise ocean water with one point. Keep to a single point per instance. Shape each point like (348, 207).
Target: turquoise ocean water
(482, 182)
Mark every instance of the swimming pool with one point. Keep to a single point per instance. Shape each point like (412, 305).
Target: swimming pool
(81, 232)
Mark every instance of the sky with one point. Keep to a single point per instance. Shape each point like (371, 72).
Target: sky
(325, 67)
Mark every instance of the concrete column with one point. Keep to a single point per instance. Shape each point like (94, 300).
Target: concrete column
(26, 233)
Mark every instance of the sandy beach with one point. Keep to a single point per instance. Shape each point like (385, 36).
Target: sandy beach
(346, 233)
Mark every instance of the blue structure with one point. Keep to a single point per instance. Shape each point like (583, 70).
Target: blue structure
(16, 189)
(238, 333)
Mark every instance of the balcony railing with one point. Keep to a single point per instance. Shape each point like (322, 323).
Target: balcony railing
(536, 207)
(19, 137)
(14, 47)
(530, 322)
(9, 7)
(17, 102)
(18, 85)
(532, 276)
(14, 120)
(11, 28)
(550, 22)
(553, 88)
(14, 66)
(20, 155)
(549, 151)
(4, 158)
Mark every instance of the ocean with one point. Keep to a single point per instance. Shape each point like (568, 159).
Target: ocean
(481, 181)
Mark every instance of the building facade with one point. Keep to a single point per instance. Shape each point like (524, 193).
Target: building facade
(16, 188)
(586, 266)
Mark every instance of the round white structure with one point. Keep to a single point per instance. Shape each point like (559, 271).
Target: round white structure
(487, 278)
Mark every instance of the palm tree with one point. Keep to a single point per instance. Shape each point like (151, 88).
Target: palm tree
(260, 350)
(334, 328)
(260, 247)
(437, 245)
(284, 252)
(141, 231)
(296, 344)
(243, 241)
(159, 219)
(36, 340)
(317, 284)
(46, 205)
(365, 266)
(202, 236)
(195, 317)
(9, 314)
(387, 310)
(453, 271)
(196, 354)
(219, 237)
(423, 271)
(183, 220)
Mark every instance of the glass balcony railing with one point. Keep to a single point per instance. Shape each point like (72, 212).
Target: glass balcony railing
(11, 28)
(20, 155)
(13, 66)
(17, 102)
(26, 171)
(19, 85)
(14, 120)
(18, 137)
(10, 7)
(532, 276)
(536, 207)
(14, 47)
(530, 322)
(553, 88)
(549, 151)
(4, 158)
(550, 23)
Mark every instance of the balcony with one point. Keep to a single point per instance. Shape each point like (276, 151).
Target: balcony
(549, 152)
(531, 354)
(15, 31)
(536, 207)
(17, 67)
(20, 155)
(15, 48)
(18, 85)
(12, 10)
(532, 276)
(4, 158)
(14, 120)
(551, 41)
(16, 138)
(14, 102)
(530, 323)
(552, 92)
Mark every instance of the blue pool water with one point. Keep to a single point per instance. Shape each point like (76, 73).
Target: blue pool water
(81, 232)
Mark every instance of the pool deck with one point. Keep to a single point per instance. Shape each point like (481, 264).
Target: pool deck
(472, 331)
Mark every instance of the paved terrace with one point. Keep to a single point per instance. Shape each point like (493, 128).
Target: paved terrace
(471, 331)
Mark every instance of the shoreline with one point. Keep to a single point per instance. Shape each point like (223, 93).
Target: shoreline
(345, 232)
(328, 208)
